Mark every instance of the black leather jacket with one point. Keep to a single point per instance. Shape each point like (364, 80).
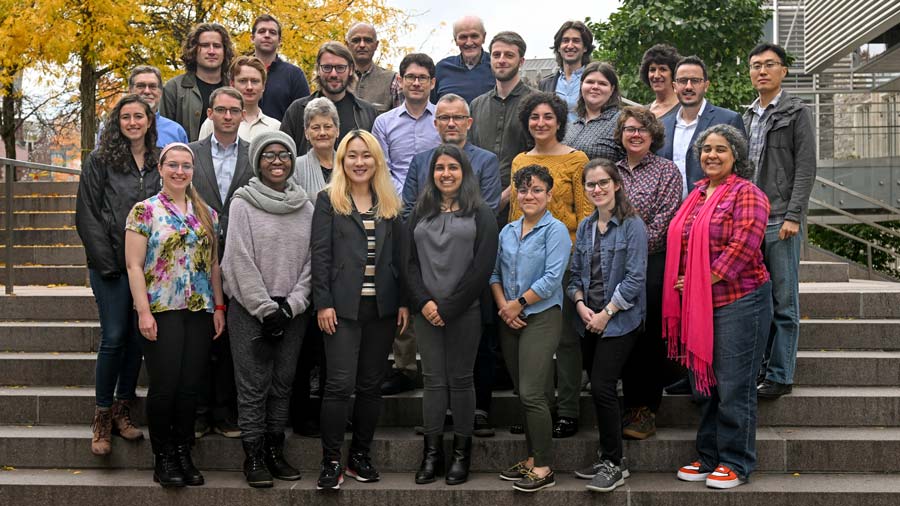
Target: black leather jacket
(105, 197)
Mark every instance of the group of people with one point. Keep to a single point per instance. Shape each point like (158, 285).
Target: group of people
(242, 237)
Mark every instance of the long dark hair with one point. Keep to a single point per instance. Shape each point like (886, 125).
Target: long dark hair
(469, 196)
(114, 149)
(623, 208)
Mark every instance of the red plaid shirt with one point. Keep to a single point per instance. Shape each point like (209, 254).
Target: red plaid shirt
(737, 229)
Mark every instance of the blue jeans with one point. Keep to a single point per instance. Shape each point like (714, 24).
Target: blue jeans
(783, 262)
(119, 356)
(727, 433)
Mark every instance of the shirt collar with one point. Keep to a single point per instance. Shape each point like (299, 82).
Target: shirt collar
(429, 109)
(757, 108)
(680, 121)
(545, 219)
(222, 147)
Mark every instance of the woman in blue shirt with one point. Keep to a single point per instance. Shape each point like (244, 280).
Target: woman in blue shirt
(527, 287)
(607, 286)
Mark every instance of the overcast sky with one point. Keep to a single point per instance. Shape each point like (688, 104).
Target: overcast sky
(535, 20)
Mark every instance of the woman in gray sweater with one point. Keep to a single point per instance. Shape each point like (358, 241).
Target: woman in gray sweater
(266, 267)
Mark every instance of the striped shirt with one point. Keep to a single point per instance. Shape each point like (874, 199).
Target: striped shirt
(736, 232)
(368, 287)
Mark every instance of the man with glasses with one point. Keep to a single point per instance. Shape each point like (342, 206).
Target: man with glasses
(285, 82)
(378, 86)
(783, 148)
(335, 72)
(221, 166)
(467, 74)
(694, 116)
(409, 128)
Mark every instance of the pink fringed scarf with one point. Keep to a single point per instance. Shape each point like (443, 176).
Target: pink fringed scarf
(687, 316)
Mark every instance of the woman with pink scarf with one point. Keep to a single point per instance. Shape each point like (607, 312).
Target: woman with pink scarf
(717, 305)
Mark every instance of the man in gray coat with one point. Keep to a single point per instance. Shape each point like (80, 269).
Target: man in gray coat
(783, 147)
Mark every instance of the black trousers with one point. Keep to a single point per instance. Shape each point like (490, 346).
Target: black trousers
(357, 356)
(217, 398)
(648, 370)
(303, 406)
(609, 357)
(176, 364)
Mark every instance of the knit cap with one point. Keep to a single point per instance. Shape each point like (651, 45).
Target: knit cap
(263, 139)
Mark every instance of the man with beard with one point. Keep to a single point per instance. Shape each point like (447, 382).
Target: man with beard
(467, 74)
(495, 114)
(378, 86)
(694, 116)
(334, 73)
(572, 45)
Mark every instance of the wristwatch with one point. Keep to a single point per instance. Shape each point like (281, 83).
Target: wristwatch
(609, 311)
(522, 302)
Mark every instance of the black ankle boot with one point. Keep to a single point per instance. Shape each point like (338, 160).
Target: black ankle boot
(462, 457)
(432, 459)
(190, 473)
(166, 470)
(254, 465)
(274, 457)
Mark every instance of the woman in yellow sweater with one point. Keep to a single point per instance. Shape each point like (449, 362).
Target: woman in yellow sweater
(543, 118)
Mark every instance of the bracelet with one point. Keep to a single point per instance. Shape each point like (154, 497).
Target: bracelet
(220, 307)
(577, 301)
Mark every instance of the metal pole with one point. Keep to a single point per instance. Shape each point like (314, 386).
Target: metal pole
(869, 259)
(10, 179)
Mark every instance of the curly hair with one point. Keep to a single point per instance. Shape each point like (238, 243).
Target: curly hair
(114, 149)
(609, 73)
(522, 177)
(660, 54)
(191, 42)
(743, 166)
(560, 110)
(645, 118)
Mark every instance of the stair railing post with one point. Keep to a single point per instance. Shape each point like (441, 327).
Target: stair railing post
(10, 180)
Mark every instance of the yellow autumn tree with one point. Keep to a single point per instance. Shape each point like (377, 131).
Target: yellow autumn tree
(17, 44)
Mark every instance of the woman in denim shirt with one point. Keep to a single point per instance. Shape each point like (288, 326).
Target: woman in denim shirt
(607, 286)
(527, 287)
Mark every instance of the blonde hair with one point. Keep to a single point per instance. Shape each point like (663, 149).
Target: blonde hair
(388, 202)
(201, 208)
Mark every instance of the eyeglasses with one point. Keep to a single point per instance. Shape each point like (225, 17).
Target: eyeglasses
(445, 118)
(537, 191)
(683, 81)
(340, 69)
(410, 78)
(146, 86)
(174, 166)
(270, 156)
(234, 111)
(600, 183)
(630, 130)
(769, 65)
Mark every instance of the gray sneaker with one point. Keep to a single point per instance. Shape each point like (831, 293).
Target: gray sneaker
(588, 472)
(607, 479)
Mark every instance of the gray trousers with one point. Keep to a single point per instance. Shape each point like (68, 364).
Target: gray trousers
(263, 371)
(448, 362)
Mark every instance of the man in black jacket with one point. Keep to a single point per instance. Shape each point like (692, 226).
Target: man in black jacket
(334, 74)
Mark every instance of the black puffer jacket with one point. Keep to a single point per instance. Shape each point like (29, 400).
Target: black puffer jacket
(105, 197)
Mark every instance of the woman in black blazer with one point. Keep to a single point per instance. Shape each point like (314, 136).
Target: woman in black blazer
(356, 254)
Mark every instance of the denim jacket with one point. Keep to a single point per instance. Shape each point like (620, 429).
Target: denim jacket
(537, 261)
(623, 251)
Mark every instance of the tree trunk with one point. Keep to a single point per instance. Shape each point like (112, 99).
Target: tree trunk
(88, 91)
(8, 122)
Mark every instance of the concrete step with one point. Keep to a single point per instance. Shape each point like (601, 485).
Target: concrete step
(819, 368)
(44, 236)
(62, 202)
(39, 219)
(49, 303)
(856, 299)
(815, 406)
(73, 275)
(40, 487)
(52, 336)
(42, 188)
(819, 272)
(46, 255)
(789, 449)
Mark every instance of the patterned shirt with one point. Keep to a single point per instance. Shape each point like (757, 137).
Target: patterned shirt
(654, 189)
(736, 232)
(368, 286)
(176, 268)
(758, 128)
(596, 137)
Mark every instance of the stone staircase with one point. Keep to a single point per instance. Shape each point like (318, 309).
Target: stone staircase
(833, 441)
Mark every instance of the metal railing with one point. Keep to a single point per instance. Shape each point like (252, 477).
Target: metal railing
(819, 221)
(9, 181)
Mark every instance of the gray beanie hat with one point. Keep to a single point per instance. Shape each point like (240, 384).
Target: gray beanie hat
(263, 139)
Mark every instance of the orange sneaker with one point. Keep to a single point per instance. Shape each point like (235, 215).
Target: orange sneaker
(692, 472)
(723, 477)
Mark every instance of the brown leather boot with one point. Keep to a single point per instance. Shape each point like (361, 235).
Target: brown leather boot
(122, 424)
(102, 427)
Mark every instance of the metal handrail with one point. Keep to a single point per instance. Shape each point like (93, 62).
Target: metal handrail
(853, 193)
(11, 164)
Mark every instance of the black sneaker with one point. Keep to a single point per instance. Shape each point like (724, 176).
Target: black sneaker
(588, 472)
(227, 428)
(565, 427)
(532, 483)
(397, 382)
(482, 427)
(608, 478)
(360, 467)
(330, 477)
(515, 473)
(201, 426)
